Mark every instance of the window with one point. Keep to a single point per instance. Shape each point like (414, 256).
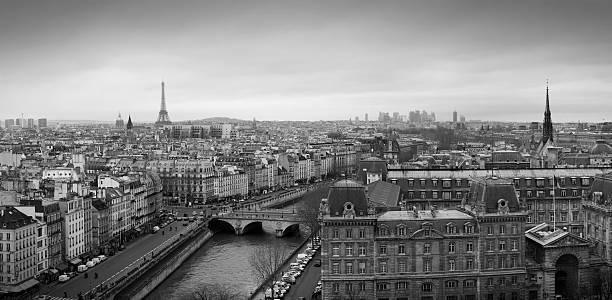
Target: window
(382, 267)
(427, 287)
(434, 182)
(514, 248)
(469, 228)
(349, 233)
(451, 228)
(446, 183)
(362, 286)
(514, 229)
(382, 249)
(490, 281)
(426, 265)
(502, 229)
(502, 262)
(427, 248)
(529, 194)
(451, 284)
(451, 247)
(401, 266)
(362, 267)
(469, 247)
(335, 268)
(401, 249)
(335, 249)
(502, 281)
(489, 230)
(401, 231)
(381, 286)
(513, 262)
(422, 182)
(469, 264)
(458, 195)
(361, 233)
(348, 287)
(336, 234)
(383, 231)
(469, 283)
(490, 263)
(336, 287)
(502, 245)
(434, 194)
(410, 182)
(349, 250)
(402, 285)
(362, 250)
(452, 265)
(423, 195)
(458, 182)
(349, 268)
(514, 280)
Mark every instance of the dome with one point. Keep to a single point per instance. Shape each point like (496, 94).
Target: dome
(601, 148)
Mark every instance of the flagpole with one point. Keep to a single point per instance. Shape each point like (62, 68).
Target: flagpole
(554, 206)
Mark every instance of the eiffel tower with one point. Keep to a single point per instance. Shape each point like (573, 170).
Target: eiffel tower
(162, 117)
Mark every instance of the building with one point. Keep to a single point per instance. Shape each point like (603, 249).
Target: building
(74, 228)
(9, 123)
(119, 122)
(534, 187)
(472, 252)
(42, 123)
(184, 180)
(454, 116)
(18, 253)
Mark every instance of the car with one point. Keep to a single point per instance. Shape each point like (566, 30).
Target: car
(90, 264)
(155, 229)
(317, 263)
(102, 257)
(96, 260)
(82, 268)
(63, 278)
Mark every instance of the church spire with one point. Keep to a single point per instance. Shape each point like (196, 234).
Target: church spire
(129, 125)
(547, 128)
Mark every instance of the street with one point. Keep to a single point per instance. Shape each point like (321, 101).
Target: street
(305, 284)
(113, 264)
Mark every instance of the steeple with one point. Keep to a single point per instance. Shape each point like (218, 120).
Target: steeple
(129, 125)
(163, 118)
(547, 129)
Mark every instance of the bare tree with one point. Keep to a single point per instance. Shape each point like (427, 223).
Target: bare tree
(266, 262)
(216, 292)
(308, 214)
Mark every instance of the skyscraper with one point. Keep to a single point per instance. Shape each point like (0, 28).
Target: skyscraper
(42, 123)
(547, 128)
(119, 122)
(454, 116)
(9, 123)
(163, 118)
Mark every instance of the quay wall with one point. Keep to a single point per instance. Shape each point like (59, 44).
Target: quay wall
(166, 268)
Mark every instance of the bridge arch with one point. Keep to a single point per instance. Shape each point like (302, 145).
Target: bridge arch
(291, 229)
(218, 225)
(252, 226)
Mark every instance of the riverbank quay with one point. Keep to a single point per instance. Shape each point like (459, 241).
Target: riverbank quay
(155, 275)
(260, 292)
(106, 287)
(114, 264)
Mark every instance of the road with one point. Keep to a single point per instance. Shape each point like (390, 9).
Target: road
(113, 264)
(305, 284)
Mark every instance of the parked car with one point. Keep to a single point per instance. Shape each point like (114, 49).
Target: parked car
(82, 268)
(96, 260)
(155, 229)
(90, 264)
(102, 257)
(63, 278)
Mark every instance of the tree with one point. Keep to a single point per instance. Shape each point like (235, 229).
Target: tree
(266, 262)
(308, 213)
(216, 292)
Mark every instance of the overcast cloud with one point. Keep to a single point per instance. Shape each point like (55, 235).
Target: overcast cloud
(305, 60)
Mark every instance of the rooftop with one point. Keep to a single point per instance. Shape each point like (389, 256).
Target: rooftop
(423, 215)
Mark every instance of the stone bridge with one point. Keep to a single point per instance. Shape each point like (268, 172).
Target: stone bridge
(279, 222)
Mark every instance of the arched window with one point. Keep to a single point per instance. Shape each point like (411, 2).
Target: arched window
(451, 228)
(401, 230)
(468, 228)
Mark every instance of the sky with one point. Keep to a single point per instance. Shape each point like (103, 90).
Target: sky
(305, 60)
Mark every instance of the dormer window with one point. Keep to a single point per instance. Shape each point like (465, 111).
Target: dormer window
(451, 228)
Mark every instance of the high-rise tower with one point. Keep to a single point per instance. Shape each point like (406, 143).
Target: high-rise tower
(547, 128)
(162, 117)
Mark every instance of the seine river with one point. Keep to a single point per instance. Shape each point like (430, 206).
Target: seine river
(222, 260)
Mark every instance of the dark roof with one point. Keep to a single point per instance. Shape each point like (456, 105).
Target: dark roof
(603, 185)
(11, 218)
(601, 148)
(487, 192)
(384, 194)
(99, 204)
(347, 191)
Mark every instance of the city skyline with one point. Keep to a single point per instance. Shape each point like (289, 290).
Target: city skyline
(75, 60)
